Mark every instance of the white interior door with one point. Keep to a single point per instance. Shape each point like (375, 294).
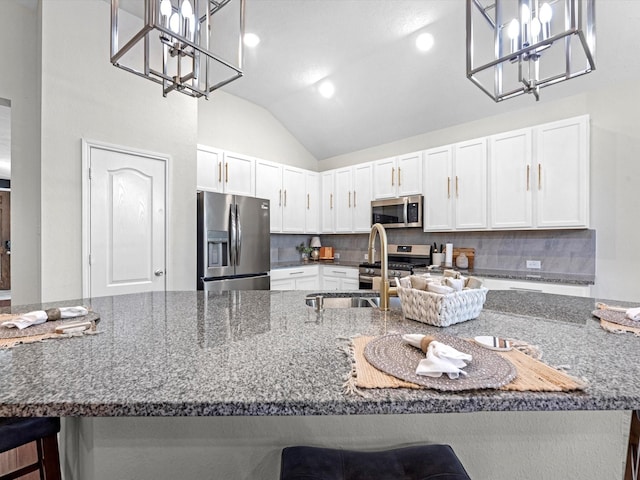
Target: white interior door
(127, 233)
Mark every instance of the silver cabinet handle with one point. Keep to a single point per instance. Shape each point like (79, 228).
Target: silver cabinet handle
(158, 273)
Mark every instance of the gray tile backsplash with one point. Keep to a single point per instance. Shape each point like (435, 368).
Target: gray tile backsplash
(559, 251)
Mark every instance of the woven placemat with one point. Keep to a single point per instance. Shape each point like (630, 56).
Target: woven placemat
(10, 337)
(531, 374)
(619, 318)
(392, 355)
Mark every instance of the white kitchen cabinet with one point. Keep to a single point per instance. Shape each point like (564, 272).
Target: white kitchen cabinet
(511, 178)
(542, 287)
(398, 176)
(313, 207)
(438, 197)
(562, 173)
(353, 198)
(327, 212)
(225, 172)
(284, 186)
(305, 277)
(337, 277)
(470, 184)
(209, 163)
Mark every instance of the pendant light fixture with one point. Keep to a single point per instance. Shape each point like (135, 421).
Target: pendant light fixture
(520, 46)
(176, 45)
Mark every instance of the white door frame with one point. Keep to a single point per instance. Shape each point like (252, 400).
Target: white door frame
(87, 146)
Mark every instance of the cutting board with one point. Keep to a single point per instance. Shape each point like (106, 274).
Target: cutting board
(469, 252)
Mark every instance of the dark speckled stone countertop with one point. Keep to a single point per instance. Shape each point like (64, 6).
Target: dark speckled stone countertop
(266, 353)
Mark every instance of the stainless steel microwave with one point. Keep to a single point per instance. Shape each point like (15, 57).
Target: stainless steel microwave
(398, 212)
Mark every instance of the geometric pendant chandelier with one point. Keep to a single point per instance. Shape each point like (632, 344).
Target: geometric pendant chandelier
(189, 46)
(520, 46)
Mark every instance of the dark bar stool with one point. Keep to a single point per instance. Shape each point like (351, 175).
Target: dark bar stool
(422, 462)
(15, 432)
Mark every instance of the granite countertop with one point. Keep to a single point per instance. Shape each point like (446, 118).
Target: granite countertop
(544, 277)
(266, 353)
(310, 263)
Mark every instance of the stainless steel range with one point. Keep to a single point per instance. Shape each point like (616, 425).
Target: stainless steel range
(402, 260)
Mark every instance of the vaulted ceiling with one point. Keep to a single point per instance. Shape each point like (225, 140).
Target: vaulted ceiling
(386, 89)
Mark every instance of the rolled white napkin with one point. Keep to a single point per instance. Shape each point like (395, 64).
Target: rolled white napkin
(440, 358)
(40, 316)
(436, 288)
(456, 283)
(633, 313)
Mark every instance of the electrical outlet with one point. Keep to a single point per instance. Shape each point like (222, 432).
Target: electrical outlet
(366, 257)
(534, 264)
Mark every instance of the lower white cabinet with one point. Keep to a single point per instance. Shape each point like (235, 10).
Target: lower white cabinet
(336, 277)
(296, 278)
(542, 287)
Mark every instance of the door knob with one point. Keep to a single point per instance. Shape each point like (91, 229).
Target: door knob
(159, 273)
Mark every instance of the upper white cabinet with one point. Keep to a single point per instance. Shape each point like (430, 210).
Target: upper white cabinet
(470, 184)
(539, 177)
(398, 176)
(313, 207)
(511, 179)
(284, 186)
(327, 202)
(438, 198)
(225, 172)
(455, 187)
(562, 173)
(353, 198)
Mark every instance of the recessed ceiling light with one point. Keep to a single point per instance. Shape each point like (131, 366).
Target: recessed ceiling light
(251, 40)
(424, 42)
(327, 89)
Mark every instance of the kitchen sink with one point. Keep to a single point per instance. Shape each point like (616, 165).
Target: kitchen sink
(355, 301)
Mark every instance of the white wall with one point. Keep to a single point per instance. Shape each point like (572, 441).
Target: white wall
(615, 172)
(84, 96)
(491, 445)
(20, 83)
(232, 123)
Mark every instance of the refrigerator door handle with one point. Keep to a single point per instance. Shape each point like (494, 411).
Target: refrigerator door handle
(232, 235)
(238, 237)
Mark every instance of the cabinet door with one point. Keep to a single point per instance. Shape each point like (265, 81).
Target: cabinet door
(269, 185)
(470, 184)
(510, 179)
(209, 169)
(284, 284)
(327, 208)
(330, 283)
(294, 200)
(362, 191)
(238, 174)
(312, 203)
(344, 200)
(562, 173)
(438, 189)
(385, 178)
(308, 283)
(350, 284)
(409, 174)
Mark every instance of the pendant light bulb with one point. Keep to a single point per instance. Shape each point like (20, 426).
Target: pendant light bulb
(545, 13)
(536, 28)
(186, 9)
(165, 8)
(514, 29)
(174, 23)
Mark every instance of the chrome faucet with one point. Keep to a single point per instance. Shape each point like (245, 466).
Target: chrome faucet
(384, 262)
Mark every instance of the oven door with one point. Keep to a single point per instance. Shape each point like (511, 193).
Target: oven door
(365, 282)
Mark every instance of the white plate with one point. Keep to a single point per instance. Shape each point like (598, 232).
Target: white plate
(493, 343)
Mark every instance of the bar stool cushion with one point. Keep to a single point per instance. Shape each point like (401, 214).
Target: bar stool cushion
(17, 431)
(423, 462)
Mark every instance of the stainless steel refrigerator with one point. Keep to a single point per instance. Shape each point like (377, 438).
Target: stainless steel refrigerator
(233, 242)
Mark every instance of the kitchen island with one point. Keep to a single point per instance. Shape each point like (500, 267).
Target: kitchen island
(255, 357)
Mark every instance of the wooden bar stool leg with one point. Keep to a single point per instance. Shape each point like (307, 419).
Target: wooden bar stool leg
(50, 458)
